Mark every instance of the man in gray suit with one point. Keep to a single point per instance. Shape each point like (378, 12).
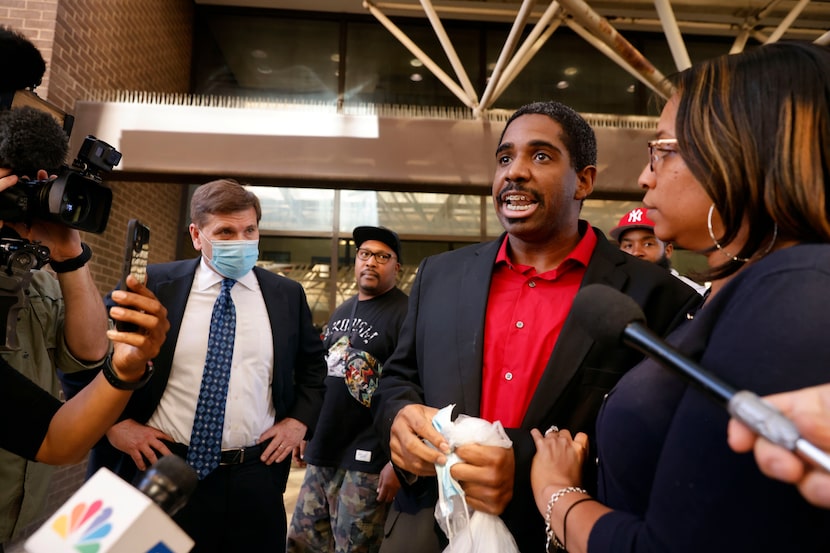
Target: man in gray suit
(488, 329)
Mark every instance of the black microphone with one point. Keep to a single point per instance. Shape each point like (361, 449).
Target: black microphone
(611, 317)
(169, 483)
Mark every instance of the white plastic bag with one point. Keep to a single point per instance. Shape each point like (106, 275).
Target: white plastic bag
(477, 532)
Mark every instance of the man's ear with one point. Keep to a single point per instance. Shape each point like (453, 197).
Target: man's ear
(669, 250)
(195, 236)
(585, 182)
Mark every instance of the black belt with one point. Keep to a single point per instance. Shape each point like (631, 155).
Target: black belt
(235, 456)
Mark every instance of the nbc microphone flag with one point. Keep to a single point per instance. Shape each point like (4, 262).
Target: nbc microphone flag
(108, 515)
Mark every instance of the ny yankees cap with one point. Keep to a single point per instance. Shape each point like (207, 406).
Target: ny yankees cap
(636, 218)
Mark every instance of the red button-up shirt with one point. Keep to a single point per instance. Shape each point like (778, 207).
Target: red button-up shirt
(525, 314)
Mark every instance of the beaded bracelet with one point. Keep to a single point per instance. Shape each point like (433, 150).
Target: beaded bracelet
(551, 537)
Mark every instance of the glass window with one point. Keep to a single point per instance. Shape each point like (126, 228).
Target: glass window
(260, 56)
(381, 70)
(413, 213)
(296, 209)
(569, 70)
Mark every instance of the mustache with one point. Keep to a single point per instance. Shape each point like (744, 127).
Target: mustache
(515, 188)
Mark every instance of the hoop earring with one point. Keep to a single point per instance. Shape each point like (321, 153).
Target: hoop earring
(726, 253)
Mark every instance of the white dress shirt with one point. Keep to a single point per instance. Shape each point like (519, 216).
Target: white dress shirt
(249, 410)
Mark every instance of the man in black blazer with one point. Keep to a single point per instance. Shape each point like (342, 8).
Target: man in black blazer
(488, 329)
(276, 379)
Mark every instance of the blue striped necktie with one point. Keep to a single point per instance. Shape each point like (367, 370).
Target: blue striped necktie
(206, 437)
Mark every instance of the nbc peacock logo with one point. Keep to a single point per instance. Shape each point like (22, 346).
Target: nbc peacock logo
(85, 525)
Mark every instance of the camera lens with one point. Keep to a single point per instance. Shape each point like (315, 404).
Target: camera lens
(75, 203)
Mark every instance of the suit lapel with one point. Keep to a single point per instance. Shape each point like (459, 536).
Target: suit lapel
(275, 304)
(574, 343)
(473, 291)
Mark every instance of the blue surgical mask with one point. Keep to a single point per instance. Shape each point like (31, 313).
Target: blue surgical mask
(234, 258)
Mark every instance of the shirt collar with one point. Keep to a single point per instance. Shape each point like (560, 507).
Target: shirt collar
(581, 254)
(207, 278)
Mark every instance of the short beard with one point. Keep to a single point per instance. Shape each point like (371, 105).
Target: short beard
(664, 262)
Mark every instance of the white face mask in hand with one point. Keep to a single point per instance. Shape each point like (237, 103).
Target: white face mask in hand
(233, 258)
(468, 533)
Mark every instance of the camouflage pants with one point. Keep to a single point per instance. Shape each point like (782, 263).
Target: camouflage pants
(337, 511)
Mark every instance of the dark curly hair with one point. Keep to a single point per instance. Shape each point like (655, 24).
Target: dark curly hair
(578, 135)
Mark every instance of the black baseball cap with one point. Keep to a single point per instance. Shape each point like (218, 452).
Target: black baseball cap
(381, 234)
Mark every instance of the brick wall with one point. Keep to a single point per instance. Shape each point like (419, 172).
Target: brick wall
(120, 45)
(111, 45)
(155, 204)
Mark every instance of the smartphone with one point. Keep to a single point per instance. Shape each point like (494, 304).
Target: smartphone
(136, 254)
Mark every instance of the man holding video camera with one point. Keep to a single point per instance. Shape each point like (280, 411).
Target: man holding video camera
(63, 325)
(46, 323)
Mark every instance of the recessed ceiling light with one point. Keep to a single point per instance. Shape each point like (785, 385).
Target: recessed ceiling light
(571, 71)
(562, 85)
(259, 54)
(335, 58)
(264, 69)
(415, 62)
(416, 78)
(630, 89)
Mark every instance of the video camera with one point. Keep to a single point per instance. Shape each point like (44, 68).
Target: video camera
(32, 139)
(75, 198)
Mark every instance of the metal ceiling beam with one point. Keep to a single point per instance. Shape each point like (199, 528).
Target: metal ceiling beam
(449, 49)
(612, 55)
(602, 29)
(507, 50)
(673, 36)
(537, 38)
(587, 23)
(788, 21)
(420, 54)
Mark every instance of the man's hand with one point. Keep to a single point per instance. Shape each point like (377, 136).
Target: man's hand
(63, 242)
(388, 484)
(411, 426)
(298, 455)
(7, 179)
(486, 475)
(139, 441)
(809, 409)
(285, 437)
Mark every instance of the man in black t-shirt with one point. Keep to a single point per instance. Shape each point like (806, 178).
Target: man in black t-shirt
(349, 482)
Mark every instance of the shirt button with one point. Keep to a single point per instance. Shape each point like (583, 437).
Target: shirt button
(532, 284)
(508, 376)
(604, 397)
(520, 324)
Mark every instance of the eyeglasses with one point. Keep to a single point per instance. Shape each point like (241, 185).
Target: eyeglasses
(381, 257)
(657, 150)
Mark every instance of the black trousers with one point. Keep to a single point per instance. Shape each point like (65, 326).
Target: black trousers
(238, 508)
